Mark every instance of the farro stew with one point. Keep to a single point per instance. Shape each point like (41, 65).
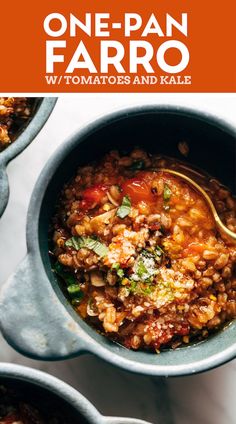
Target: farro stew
(14, 113)
(138, 253)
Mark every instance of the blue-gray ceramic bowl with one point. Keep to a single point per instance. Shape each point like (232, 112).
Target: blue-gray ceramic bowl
(35, 317)
(50, 393)
(42, 109)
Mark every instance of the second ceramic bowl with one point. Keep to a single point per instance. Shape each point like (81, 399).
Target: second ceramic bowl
(42, 109)
(51, 394)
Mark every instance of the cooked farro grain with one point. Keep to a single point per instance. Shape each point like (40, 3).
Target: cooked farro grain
(139, 252)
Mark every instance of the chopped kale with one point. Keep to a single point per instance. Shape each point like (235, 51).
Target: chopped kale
(125, 208)
(92, 244)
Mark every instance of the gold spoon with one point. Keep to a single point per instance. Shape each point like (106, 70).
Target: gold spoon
(217, 219)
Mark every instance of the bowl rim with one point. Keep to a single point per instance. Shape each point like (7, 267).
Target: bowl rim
(53, 384)
(34, 247)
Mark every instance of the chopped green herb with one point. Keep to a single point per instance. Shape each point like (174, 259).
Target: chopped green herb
(99, 248)
(159, 251)
(152, 254)
(147, 290)
(138, 287)
(72, 283)
(141, 289)
(162, 229)
(79, 242)
(167, 193)
(75, 291)
(58, 268)
(74, 242)
(67, 277)
(141, 269)
(125, 208)
(148, 253)
(133, 285)
(137, 164)
(119, 271)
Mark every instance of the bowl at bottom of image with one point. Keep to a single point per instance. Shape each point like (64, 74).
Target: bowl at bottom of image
(48, 327)
(49, 398)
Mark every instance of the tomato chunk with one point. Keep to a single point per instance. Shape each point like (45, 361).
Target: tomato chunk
(94, 194)
(138, 190)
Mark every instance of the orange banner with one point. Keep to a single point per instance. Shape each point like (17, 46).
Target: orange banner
(154, 46)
